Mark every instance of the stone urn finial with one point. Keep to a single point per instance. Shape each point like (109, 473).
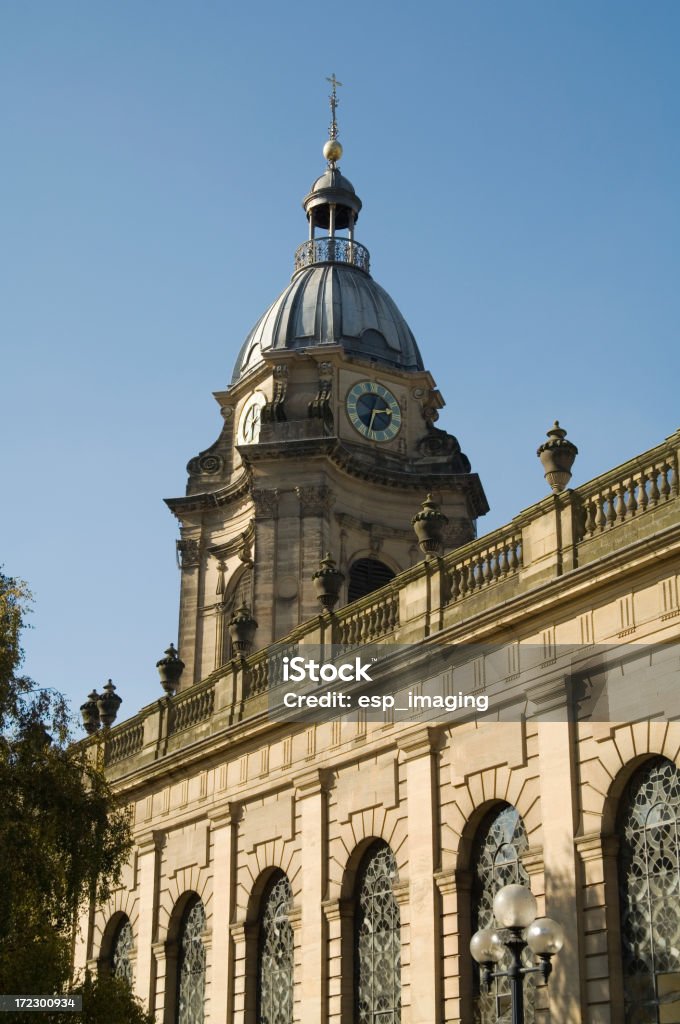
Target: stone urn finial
(108, 704)
(242, 628)
(90, 713)
(170, 669)
(557, 457)
(429, 525)
(327, 582)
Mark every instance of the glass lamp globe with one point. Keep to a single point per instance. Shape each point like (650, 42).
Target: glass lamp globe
(514, 906)
(545, 936)
(486, 947)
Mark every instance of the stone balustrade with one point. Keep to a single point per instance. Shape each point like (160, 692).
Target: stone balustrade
(490, 559)
(371, 618)
(556, 536)
(125, 741)
(630, 490)
(191, 707)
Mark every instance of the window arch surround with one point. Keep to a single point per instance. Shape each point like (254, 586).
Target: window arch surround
(375, 936)
(647, 897)
(275, 952)
(186, 962)
(493, 845)
(117, 951)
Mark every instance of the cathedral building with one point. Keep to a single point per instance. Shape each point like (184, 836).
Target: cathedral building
(302, 863)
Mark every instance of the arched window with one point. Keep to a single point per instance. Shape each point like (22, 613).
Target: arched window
(275, 955)
(367, 575)
(377, 940)
(497, 861)
(121, 951)
(649, 885)
(239, 592)
(191, 966)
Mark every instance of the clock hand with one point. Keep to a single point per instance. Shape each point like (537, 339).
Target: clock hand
(375, 413)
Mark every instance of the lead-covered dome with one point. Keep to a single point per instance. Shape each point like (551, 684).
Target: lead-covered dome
(332, 298)
(333, 304)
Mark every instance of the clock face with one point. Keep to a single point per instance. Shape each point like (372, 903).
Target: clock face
(373, 411)
(249, 424)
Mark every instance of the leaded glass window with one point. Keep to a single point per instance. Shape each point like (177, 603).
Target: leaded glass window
(275, 955)
(497, 861)
(122, 949)
(191, 967)
(377, 951)
(649, 882)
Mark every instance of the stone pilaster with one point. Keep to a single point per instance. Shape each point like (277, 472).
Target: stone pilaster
(148, 863)
(223, 826)
(339, 915)
(189, 555)
(310, 792)
(558, 821)
(418, 751)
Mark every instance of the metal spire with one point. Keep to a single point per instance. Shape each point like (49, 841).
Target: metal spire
(333, 127)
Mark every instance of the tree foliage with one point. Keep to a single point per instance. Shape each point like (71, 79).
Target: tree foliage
(63, 837)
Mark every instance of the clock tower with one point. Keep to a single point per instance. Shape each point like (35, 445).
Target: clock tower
(329, 444)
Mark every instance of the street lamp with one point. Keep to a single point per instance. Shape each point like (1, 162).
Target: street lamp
(514, 908)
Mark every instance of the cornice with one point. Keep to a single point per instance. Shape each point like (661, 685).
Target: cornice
(499, 620)
(209, 499)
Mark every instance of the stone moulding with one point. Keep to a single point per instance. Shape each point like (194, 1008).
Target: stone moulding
(502, 555)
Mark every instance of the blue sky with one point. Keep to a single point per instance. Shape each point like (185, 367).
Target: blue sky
(518, 164)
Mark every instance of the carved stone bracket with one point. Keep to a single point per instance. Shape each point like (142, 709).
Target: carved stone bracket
(320, 406)
(274, 410)
(188, 552)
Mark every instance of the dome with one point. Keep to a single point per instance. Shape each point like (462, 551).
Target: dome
(333, 304)
(332, 178)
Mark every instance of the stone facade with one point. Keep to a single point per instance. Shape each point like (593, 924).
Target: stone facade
(235, 808)
(222, 795)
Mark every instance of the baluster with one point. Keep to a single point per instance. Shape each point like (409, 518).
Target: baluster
(601, 517)
(665, 484)
(674, 477)
(653, 487)
(487, 569)
(503, 564)
(631, 503)
(611, 508)
(591, 518)
(514, 555)
(642, 492)
(621, 502)
(454, 577)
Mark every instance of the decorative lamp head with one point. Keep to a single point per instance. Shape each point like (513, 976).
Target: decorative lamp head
(514, 906)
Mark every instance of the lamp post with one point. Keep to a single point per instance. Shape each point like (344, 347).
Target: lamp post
(514, 908)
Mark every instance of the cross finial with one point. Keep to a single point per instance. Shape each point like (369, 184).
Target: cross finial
(333, 128)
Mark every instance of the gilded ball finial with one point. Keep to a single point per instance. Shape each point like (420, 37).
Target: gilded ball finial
(332, 151)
